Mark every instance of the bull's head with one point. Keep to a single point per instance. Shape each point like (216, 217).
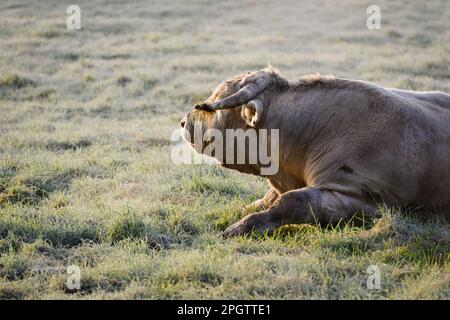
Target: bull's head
(235, 104)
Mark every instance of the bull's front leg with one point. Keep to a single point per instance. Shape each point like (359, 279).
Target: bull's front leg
(306, 205)
(264, 203)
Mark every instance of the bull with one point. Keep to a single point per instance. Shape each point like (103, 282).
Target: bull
(344, 147)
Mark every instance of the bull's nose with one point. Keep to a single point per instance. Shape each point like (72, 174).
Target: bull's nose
(182, 123)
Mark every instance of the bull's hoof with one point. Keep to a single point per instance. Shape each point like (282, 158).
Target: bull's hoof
(254, 223)
(255, 206)
(250, 208)
(234, 230)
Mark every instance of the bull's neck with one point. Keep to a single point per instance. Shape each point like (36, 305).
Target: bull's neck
(289, 112)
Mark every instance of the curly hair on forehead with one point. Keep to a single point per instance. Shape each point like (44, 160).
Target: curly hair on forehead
(231, 86)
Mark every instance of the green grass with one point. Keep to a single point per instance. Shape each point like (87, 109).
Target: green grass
(85, 172)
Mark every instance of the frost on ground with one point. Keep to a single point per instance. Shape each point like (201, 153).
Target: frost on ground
(85, 172)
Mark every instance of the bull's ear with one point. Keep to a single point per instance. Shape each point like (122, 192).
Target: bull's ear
(252, 112)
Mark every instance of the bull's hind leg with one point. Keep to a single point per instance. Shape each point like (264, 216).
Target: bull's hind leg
(264, 203)
(306, 205)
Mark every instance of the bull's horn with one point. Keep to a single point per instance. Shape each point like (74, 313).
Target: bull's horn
(250, 91)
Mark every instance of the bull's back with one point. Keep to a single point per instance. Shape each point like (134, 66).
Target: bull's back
(436, 98)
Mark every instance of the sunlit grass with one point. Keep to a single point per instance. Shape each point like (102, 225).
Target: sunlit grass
(85, 172)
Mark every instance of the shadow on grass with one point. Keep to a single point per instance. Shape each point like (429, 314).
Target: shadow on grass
(32, 190)
(395, 238)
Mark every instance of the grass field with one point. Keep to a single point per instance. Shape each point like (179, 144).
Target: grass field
(86, 176)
